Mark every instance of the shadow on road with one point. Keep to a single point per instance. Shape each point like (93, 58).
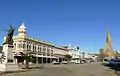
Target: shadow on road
(114, 67)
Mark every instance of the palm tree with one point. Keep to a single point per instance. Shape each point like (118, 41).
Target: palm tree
(68, 57)
(27, 56)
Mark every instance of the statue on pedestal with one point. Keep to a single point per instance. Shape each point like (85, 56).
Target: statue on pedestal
(7, 57)
(9, 37)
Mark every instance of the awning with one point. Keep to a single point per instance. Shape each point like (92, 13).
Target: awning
(44, 56)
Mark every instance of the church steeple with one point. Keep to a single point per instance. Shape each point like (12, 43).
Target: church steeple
(108, 40)
(108, 51)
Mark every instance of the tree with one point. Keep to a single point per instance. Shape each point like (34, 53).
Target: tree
(117, 54)
(27, 56)
(68, 57)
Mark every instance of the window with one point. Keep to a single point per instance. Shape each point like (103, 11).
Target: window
(19, 46)
(29, 47)
(48, 50)
(24, 46)
(52, 51)
(35, 48)
(40, 49)
(44, 49)
(48, 54)
(39, 53)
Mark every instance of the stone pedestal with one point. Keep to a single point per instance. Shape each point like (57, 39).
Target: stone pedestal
(7, 62)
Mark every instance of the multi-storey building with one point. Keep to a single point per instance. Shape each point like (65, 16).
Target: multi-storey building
(74, 52)
(44, 51)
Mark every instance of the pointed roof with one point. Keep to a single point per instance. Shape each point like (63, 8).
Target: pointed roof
(108, 34)
(108, 40)
(23, 26)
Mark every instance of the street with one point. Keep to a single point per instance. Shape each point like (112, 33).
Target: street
(88, 69)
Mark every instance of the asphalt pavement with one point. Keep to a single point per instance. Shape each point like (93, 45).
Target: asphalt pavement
(89, 69)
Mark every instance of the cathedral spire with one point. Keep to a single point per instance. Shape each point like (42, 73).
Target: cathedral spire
(108, 40)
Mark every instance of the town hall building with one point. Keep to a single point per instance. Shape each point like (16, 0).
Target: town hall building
(45, 52)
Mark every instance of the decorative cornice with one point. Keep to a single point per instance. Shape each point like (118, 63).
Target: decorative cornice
(33, 39)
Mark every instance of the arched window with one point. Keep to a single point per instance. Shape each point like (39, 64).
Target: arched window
(38, 48)
(19, 45)
(24, 46)
(27, 47)
(51, 50)
(35, 48)
(44, 50)
(48, 52)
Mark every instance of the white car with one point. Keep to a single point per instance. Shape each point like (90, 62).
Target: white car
(77, 61)
(72, 61)
(55, 62)
(30, 63)
(64, 62)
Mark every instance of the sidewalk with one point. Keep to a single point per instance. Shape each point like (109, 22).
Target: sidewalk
(22, 69)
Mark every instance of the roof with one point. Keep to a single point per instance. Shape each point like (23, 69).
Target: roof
(23, 26)
(64, 46)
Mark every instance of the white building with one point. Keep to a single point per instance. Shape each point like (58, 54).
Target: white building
(60, 52)
(44, 51)
(73, 51)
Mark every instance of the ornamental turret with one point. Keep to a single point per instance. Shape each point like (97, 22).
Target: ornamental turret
(22, 30)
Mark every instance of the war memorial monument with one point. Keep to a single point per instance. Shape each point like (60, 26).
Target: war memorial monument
(7, 62)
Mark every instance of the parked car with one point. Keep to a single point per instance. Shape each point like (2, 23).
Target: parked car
(81, 62)
(55, 62)
(111, 62)
(117, 62)
(72, 61)
(64, 62)
(114, 62)
(84, 61)
(77, 61)
(30, 63)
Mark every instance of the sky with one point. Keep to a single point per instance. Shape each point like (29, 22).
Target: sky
(78, 22)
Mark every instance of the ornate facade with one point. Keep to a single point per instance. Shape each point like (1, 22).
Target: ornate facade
(45, 50)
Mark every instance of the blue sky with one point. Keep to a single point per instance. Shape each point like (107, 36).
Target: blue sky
(79, 22)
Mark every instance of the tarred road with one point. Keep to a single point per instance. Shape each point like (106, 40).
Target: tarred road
(89, 69)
